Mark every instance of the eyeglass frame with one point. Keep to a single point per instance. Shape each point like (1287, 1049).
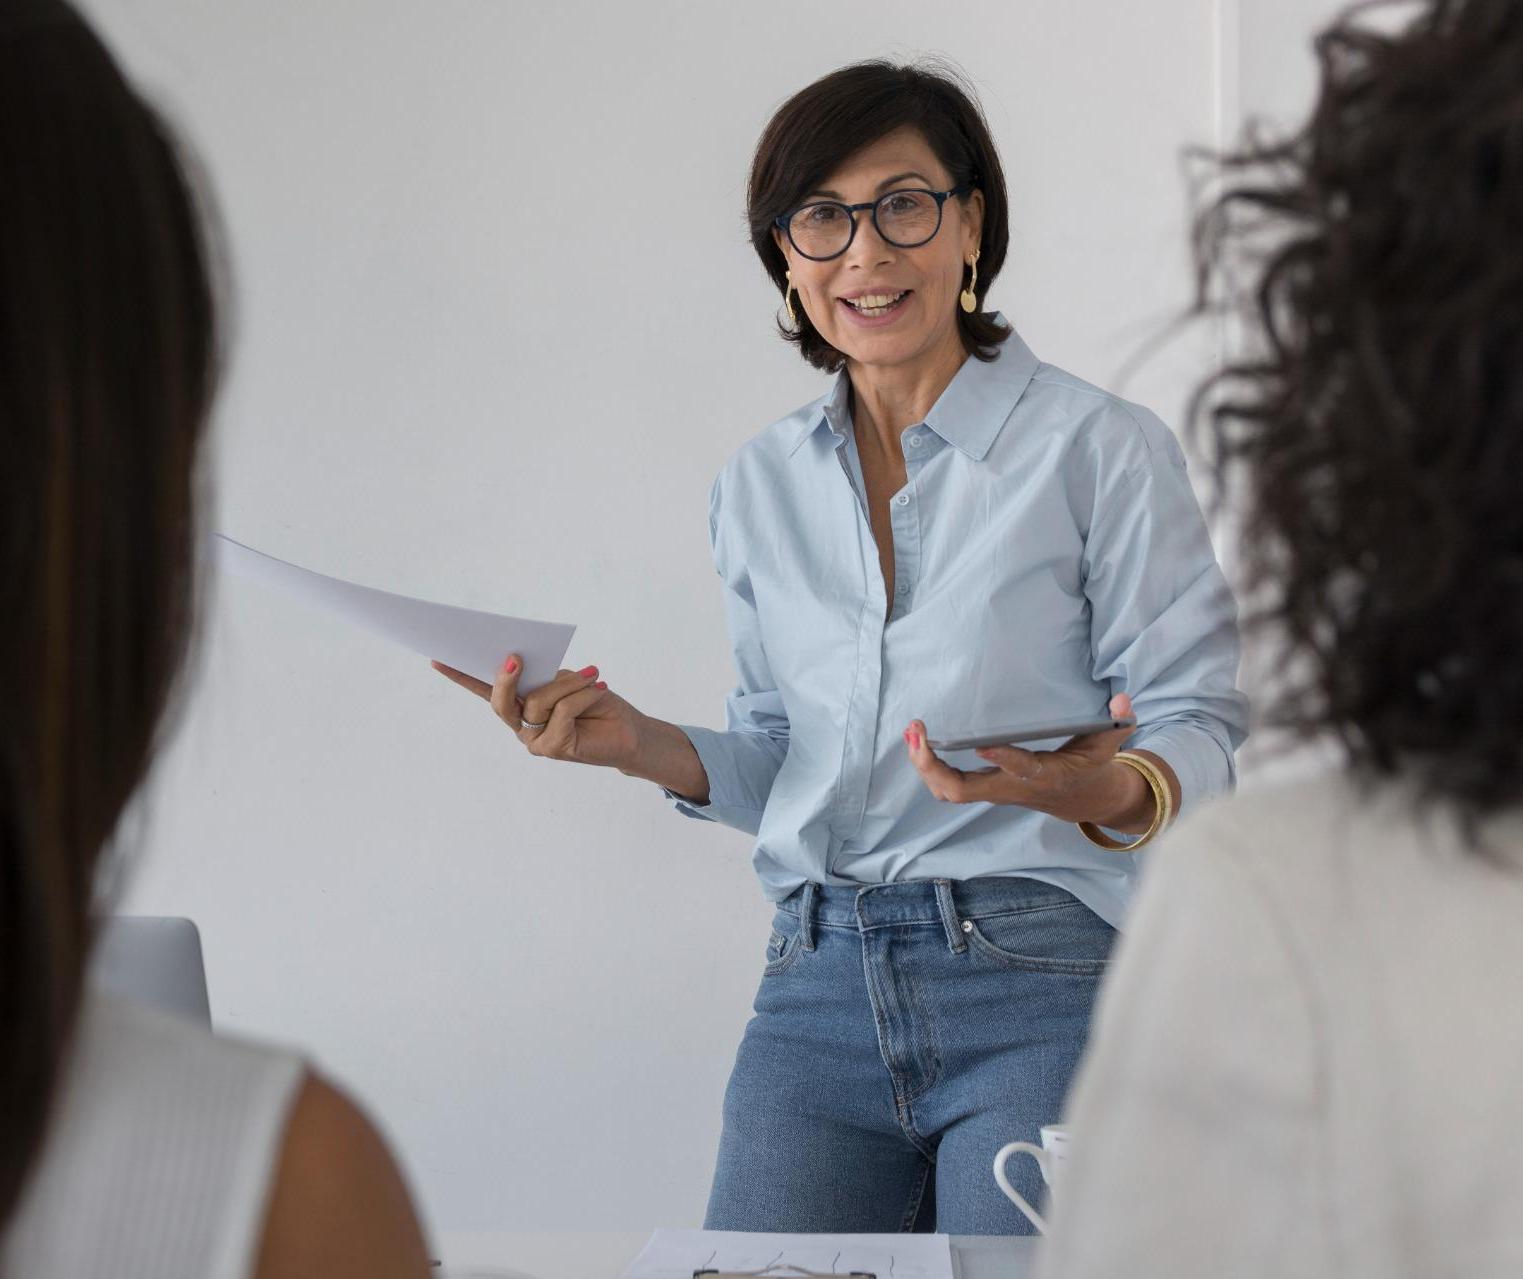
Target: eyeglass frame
(941, 198)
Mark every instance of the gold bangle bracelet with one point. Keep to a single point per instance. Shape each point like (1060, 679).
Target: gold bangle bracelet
(1162, 796)
(1162, 808)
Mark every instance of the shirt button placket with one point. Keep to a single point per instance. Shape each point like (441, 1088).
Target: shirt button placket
(857, 754)
(906, 559)
(903, 564)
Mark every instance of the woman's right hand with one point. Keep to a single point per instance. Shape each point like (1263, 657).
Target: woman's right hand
(583, 721)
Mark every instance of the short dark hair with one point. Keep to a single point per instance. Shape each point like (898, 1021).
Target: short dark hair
(108, 359)
(1374, 430)
(823, 125)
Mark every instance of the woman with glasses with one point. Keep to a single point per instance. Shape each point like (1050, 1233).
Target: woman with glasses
(954, 536)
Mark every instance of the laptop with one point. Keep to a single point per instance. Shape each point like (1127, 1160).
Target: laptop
(155, 960)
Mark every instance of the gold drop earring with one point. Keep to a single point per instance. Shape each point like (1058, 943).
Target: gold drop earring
(793, 316)
(969, 297)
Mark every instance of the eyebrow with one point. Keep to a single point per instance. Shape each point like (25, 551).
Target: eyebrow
(887, 182)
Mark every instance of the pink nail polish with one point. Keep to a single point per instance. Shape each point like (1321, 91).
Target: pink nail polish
(915, 740)
(587, 672)
(511, 665)
(601, 686)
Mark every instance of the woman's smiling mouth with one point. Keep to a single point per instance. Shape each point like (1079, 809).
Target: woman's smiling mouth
(875, 306)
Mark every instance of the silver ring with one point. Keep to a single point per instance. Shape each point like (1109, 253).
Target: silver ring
(523, 724)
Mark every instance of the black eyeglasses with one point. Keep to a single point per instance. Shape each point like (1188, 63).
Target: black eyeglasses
(906, 219)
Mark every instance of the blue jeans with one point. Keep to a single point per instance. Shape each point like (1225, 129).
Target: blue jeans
(903, 1033)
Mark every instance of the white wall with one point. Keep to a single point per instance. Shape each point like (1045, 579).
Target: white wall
(498, 326)
(1276, 63)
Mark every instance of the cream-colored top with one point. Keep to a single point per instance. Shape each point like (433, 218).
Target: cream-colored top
(1308, 1057)
(160, 1161)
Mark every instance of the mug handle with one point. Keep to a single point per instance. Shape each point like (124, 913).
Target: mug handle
(1011, 1193)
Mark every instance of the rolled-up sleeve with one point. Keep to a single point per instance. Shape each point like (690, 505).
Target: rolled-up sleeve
(743, 760)
(1163, 621)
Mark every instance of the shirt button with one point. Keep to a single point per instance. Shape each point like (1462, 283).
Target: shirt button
(904, 588)
(914, 441)
(903, 499)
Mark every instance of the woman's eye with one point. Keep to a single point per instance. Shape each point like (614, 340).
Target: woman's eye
(822, 215)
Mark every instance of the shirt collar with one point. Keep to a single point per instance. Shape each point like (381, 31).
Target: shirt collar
(969, 413)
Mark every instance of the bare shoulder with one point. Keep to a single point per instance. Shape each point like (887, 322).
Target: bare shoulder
(338, 1206)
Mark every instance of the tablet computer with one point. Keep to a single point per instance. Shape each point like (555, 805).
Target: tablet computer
(1031, 733)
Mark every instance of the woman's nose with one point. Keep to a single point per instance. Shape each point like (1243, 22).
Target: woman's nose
(868, 248)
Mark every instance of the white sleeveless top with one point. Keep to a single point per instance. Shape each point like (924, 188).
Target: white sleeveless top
(160, 1161)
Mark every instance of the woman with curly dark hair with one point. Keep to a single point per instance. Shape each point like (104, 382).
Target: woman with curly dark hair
(1307, 1059)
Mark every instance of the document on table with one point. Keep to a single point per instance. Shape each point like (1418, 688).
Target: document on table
(678, 1254)
(468, 640)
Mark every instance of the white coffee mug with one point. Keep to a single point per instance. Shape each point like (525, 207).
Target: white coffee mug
(1049, 1158)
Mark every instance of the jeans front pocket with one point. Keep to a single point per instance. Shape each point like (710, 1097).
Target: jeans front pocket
(783, 946)
(1065, 937)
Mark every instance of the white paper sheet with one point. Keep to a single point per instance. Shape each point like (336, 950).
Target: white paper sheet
(676, 1254)
(468, 640)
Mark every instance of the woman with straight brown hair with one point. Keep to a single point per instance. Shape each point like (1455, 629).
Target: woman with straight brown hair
(131, 1144)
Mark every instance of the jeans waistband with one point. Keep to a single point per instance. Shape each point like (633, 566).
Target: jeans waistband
(944, 902)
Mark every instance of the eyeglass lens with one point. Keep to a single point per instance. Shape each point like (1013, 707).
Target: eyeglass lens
(905, 219)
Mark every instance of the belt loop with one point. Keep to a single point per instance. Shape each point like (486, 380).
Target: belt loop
(949, 921)
(806, 915)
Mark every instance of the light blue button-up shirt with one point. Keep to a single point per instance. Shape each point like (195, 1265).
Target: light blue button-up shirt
(1048, 553)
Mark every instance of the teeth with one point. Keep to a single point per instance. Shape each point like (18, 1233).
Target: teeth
(876, 301)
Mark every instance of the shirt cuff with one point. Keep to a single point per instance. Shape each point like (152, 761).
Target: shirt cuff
(736, 799)
(1204, 766)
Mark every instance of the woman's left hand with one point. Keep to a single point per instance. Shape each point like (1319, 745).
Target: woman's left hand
(1078, 782)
